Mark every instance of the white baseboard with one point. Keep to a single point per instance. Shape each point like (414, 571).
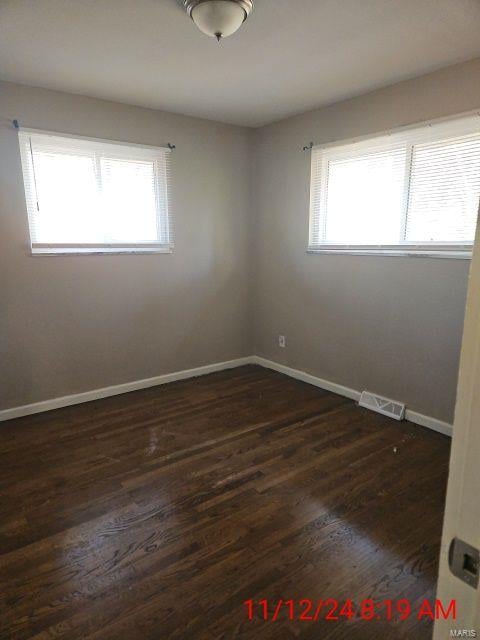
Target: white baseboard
(308, 377)
(353, 394)
(105, 392)
(429, 422)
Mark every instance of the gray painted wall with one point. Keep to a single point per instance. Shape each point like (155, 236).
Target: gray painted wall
(72, 324)
(239, 275)
(390, 325)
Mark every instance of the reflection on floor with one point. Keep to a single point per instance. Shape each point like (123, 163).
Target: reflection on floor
(158, 513)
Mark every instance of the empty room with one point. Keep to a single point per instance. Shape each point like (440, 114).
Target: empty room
(239, 319)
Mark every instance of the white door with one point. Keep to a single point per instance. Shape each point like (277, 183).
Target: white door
(462, 514)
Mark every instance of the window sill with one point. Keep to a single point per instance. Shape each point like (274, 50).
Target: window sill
(52, 251)
(459, 253)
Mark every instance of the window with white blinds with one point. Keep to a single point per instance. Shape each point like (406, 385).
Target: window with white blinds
(92, 196)
(414, 191)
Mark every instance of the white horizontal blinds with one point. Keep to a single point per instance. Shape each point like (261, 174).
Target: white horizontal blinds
(28, 182)
(417, 187)
(87, 192)
(444, 191)
(163, 193)
(357, 194)
(318, 192)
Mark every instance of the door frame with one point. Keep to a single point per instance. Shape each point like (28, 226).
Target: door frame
(462, 510)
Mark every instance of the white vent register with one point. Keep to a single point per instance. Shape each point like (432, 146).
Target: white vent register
(385, 406)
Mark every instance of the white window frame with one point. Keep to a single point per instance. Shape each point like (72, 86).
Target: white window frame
(420, 133)
(160, 155)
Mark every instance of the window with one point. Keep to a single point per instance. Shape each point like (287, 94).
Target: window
(416, 191)
(91, 196)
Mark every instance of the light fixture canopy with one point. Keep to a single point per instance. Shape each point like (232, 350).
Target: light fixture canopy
(219, 18)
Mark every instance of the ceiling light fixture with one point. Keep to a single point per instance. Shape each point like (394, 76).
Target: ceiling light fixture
(219, 18)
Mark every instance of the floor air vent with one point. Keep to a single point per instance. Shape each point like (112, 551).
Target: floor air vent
(385, 406)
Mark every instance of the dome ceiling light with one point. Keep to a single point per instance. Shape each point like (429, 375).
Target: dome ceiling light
(219, 18)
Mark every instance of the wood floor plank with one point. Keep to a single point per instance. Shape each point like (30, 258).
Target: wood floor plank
(155, 514)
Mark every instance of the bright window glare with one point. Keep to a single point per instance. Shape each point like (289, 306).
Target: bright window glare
(128, 201)
(61, 217)
(365, 199)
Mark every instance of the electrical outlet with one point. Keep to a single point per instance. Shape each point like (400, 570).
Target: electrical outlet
(282, 342)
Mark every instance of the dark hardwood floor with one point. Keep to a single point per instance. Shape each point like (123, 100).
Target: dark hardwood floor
(156, 514)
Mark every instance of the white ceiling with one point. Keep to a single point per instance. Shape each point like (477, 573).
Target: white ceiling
(289, 57)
